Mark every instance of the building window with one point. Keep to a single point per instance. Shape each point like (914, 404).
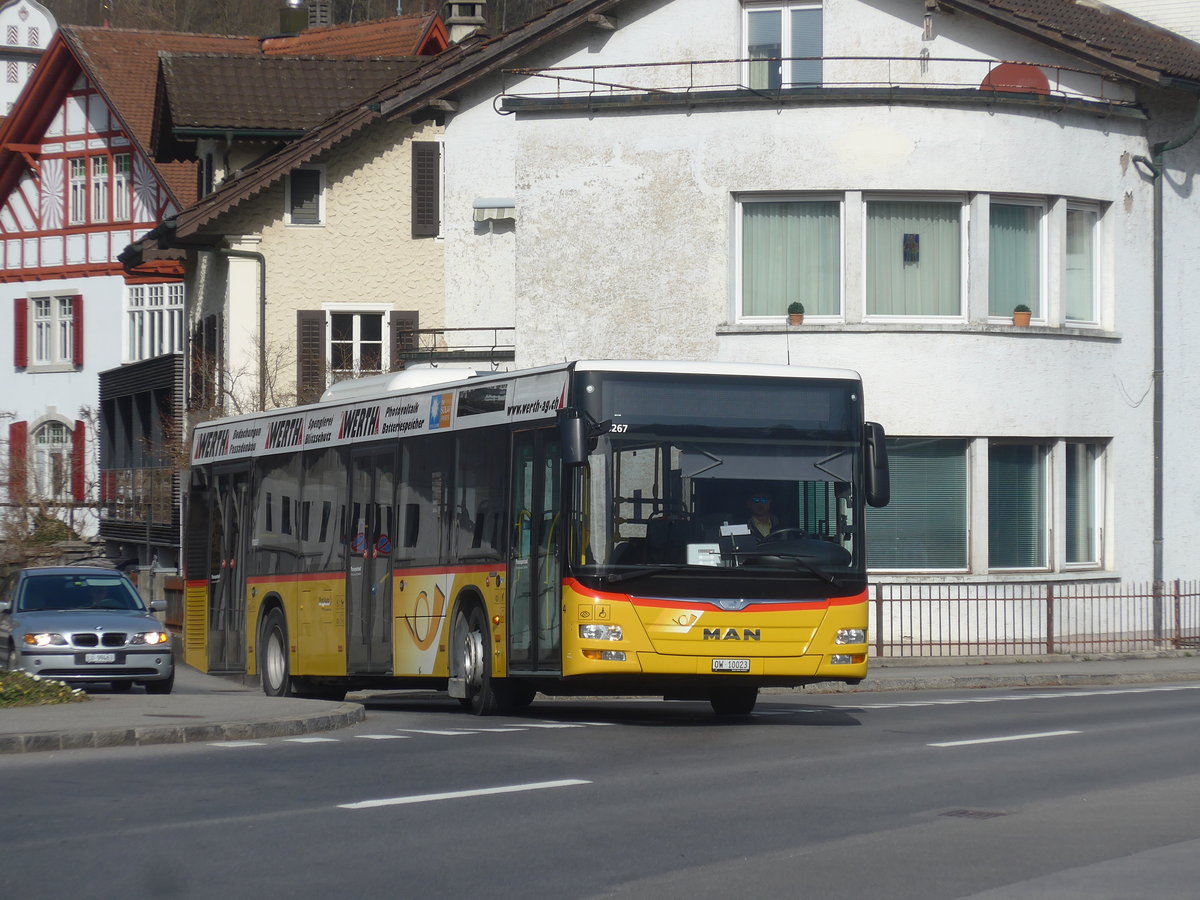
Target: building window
(1079, 284)
(53, 331)
(925, 526)
(122, 185)
(304, 197)
(783, 44)
(99, 188)
(355, 344)
(51, 464)
(155, 320)
(78, 199)
(1017, 506)
(1015, 259)
(1082, 503)
(914, 258)
(426, 188)
(791, 251)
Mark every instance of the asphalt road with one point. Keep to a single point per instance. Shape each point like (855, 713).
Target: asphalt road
(1046, 793)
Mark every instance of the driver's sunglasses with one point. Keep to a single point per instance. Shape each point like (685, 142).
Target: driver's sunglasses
(760, 499)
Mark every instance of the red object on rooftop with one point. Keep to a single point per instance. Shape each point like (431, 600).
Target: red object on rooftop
(1016, 78)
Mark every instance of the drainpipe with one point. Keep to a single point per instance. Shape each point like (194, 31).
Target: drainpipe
(1155, 168)
(262, 316)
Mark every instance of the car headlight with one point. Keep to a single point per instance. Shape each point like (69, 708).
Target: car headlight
(595, 632)
(851, 636)
(151, 637)
(45, 639)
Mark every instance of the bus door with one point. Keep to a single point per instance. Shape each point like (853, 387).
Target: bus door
(372, 534)
(534, 573)
(228, 542)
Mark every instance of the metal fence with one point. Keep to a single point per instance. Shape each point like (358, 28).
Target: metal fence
(932, 620)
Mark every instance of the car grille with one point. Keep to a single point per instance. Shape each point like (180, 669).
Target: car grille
(107, 639)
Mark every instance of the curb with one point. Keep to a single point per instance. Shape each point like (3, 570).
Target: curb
(344, 714)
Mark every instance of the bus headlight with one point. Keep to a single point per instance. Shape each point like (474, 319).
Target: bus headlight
(595, 632)
(851, 636)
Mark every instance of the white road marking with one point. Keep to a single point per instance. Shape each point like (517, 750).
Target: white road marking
(238, 744)
(1062, 694)
(550, 725)
(456, 795)
(311, 740)
(1000, 740)
(382, 737)
(434, 731)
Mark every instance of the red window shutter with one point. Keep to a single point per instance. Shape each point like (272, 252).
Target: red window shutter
(21, 333)
(426, 181)
(18, 451)
(77, 329)
(79, 462)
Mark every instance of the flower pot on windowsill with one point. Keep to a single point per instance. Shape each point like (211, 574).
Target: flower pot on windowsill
(1021, 316)
(795, 318)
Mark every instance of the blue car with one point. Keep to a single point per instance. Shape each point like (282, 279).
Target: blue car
(81, 625)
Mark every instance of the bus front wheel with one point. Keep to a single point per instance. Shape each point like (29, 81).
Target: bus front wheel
(273, 656)
(733, 700)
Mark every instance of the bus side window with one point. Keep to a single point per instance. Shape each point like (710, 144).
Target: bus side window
(412, 524)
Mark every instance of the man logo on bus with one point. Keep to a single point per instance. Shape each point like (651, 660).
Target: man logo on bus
(732, 634)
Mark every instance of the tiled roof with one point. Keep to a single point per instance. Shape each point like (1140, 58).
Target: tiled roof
(1097, 32)
(381, 38)
(253, 92)
(124, 66)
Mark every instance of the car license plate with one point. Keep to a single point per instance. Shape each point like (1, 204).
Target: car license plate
(731, 665)
(99, 657)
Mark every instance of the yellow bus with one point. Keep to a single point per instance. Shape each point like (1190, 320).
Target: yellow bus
(685, 530)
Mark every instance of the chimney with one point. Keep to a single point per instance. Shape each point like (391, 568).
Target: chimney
(293, 17)
(463, 19)
(320, 12)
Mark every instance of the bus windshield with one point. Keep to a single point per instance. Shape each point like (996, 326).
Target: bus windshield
(758, 502)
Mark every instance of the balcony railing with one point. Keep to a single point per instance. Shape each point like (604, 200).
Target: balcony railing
(947, 620)
(744, 78)
(494, 345)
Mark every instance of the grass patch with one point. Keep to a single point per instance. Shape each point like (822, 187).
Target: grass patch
(22, 689)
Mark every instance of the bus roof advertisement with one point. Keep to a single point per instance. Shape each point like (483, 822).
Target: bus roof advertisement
(471, 406)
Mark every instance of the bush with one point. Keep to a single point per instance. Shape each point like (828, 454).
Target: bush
(23, 689)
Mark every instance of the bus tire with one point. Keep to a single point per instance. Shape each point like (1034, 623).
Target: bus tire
(473, 639)
(733, 700)
(273, 656)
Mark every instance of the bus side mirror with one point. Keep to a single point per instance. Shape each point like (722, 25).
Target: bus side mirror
(573, 437)
(879, 481)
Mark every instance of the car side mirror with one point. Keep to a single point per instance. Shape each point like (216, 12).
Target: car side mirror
(158, 605)
(5, 607)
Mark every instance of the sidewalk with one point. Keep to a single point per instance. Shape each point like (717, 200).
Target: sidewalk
(208, 708)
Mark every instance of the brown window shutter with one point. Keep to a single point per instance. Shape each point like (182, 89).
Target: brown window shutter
(310, 355)
(79, 461)
(21, 333)
(404, 337)
(426, 177)
(77, 330)
(18, 452)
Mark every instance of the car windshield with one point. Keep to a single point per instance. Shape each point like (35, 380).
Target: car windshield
(64, 592)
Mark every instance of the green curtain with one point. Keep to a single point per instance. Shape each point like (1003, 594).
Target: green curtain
(1079, 287)
(1081, 502)
(1014, 272)
(925, 524)
(1016, 506)
(764, 41)
(914, 259)
(791, 251)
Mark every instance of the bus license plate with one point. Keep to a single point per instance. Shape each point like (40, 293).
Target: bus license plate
(731, 665)
(99, 657)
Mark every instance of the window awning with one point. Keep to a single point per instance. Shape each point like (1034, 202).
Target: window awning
(494, 208)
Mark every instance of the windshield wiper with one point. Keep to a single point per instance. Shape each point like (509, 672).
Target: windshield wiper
(755, 557)
(642, 572)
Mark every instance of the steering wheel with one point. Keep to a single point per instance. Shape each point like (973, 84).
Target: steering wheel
(784, 533)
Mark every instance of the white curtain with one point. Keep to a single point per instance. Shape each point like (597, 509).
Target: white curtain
(1014, 273)
(1079, 287)
(914, 258)
(791, 251)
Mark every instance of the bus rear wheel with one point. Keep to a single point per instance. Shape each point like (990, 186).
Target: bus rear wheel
(273, 656)
(733, 700)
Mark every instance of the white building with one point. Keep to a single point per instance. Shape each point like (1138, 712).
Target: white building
(25, 29)
(1180, 16)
